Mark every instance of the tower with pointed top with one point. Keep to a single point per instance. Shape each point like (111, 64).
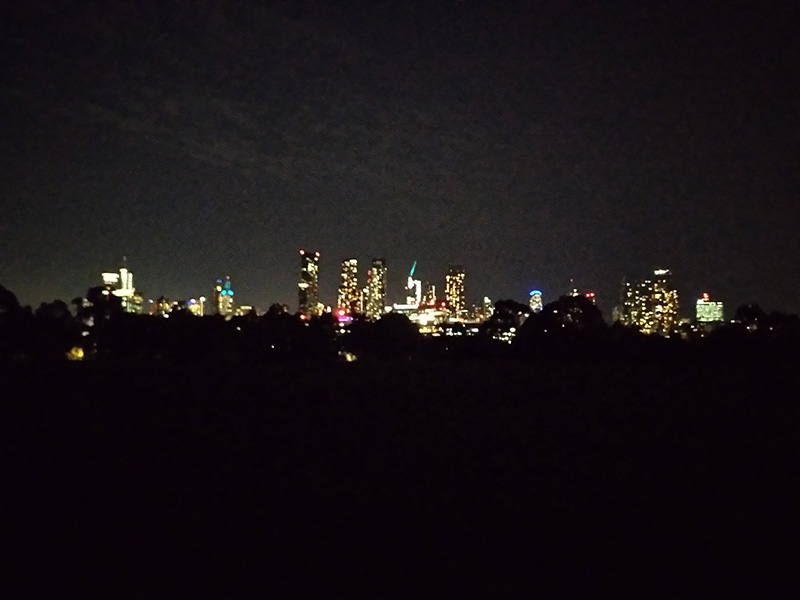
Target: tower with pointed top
(413, 288)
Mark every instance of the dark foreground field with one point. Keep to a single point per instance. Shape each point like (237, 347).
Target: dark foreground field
(484, 479)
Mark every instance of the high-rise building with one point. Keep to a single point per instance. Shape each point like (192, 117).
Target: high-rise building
(375, 300)
(308, 286)
(487, 308)
(364, 296)
(536, 301)
(195, 306)
(349, 297)
(707, 311)
(454, 289)
(650, 304)
(121, 285)
(223, 295)
(413, 288)
(429, 297)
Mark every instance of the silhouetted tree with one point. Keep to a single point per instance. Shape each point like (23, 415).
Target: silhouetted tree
(9, 305)
(566, 324)
(57, 330)
(507, 314)
(395, 336)
(750, 315)
(14, 325)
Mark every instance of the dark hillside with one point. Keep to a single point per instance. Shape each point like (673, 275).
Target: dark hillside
(494, 479)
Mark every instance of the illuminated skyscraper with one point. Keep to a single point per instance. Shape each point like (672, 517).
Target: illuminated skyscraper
(308, 286)
(429, 297)
(707, 311)
(454, 289)
(121, 285)
(349, 297)
(376, 289)
(413, 288)
(536, 301)
(223, 295)
(650, 304)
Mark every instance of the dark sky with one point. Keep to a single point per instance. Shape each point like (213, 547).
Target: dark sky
(532, 144)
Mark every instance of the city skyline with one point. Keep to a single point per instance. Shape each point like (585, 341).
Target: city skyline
(533, 144)
(634, 296)
(330, 283)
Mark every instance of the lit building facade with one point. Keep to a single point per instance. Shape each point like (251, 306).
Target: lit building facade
(121, 285)
(161, 307)
(195, 306)
(487, 307)
(244, 310)
(349, 297)
(308, 286)
(223, 296)
(454, 289)
(651, 305)
(707, 311)
(375, 300)
(535, 301)
(413, 288)
(429, 296)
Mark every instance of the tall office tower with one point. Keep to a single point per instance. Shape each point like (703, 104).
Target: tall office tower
(223, 294)
(536, 301)
(121, 285)
(376, 289)
(707, 311)
(454, 289)
(413, 288)
(348, 298)
(308, 286)
(650, 304)
(429, 297)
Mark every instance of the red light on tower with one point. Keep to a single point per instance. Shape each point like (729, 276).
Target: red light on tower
(341, 312)
(705, 296)
(302, 252)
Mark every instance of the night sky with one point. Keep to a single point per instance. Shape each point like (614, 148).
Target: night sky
(532, 144)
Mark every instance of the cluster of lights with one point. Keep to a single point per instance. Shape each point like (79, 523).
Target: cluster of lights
(651, 305)
(454, 289)
(707, 311)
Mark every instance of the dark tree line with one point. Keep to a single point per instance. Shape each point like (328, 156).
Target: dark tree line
(570, 327)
